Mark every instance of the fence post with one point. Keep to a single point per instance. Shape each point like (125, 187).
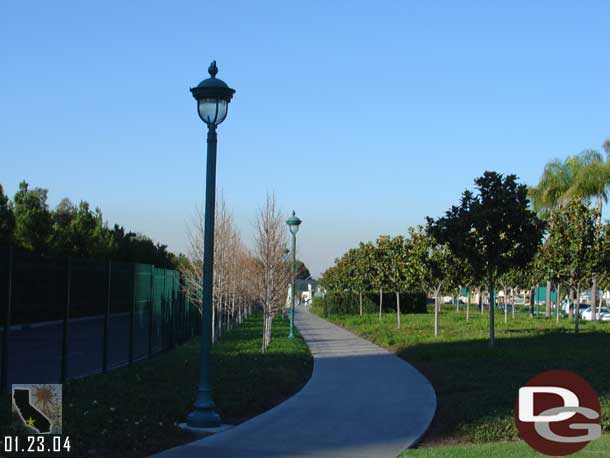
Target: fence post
(171, 304)
(132, 313)
(152, 303)
(164, 308)
(183, 309)
(107, 316)
(64, 340)
(7, 322)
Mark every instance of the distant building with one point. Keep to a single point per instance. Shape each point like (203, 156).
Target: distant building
(305, 291)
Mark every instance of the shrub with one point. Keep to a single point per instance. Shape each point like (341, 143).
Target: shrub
(346, 303)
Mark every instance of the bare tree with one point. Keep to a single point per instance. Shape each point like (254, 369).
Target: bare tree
(272, 272)
(231, 296)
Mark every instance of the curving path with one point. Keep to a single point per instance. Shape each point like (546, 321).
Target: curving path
(361, 402)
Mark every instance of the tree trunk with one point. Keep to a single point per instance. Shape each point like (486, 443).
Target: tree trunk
(360, 296)
(577, 310)
(436, 301)
(598, 224)
(594, 299)
(398, 309)
(380, 302)
(558, 302)
(532, 300)
(263, 347)
(548, 299)
(505, 306)
(480, 299)
(491, 311)
(468, 306)
(571, 303)
(213, 323)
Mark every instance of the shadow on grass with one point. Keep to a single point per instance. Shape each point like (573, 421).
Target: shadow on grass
(477, 385)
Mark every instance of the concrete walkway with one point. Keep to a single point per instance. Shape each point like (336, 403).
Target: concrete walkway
(361, 402)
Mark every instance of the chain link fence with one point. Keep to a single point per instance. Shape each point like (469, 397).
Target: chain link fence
(71, 317)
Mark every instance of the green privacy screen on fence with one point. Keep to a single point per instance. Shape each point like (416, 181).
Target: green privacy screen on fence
(105, 313)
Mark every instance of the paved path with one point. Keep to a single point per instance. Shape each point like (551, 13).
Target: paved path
(361, 402)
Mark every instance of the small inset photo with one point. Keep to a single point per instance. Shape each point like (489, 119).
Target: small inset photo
(39, 407)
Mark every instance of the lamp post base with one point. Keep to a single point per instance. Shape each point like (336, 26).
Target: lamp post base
(205, 431)
(203, 418)
(291, 336)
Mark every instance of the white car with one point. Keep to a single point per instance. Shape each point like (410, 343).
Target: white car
(604, 314)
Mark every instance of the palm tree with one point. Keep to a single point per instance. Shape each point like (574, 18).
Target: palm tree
(551, 193)
(585, 176)
(592, 181)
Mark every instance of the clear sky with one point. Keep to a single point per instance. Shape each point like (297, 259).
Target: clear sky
(362, 116)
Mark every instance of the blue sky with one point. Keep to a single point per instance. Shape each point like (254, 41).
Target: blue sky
(362, 116)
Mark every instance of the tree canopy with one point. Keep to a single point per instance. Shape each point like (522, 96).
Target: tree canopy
(72, 230)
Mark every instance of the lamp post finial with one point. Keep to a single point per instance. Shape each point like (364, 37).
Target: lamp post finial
(213, 69)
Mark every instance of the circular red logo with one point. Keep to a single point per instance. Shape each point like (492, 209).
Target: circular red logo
(558, 413)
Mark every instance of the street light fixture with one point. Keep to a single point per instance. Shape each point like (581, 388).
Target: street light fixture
(213, 97)
(293, 224)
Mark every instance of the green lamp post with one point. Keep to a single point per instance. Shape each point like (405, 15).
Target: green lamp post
(213, 97)
(293, 224)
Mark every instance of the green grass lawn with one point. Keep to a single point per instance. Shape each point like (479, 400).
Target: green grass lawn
(517, 449)
(476, 385)
(132, 412)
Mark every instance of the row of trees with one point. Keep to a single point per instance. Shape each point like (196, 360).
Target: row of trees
(503, 234)
(234, 295)
(243, 278)
(482, 239)
(72, 230)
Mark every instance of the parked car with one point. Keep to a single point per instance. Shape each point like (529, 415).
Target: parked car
(581, 309)
(451, 301)
(604, 314)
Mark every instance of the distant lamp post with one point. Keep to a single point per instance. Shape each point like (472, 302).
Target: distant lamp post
(293, 224)
(213, 97)
(284, 259)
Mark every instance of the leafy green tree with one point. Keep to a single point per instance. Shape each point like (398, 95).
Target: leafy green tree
(354, 270)
(396, 262)
(569, 248)
(134, 247)
(493, 230)
(7, 219)
(363, 269)
(437, 267)
(79, 231)
(329, 280)
(32, 218)
(602, 261)
(380, 279)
